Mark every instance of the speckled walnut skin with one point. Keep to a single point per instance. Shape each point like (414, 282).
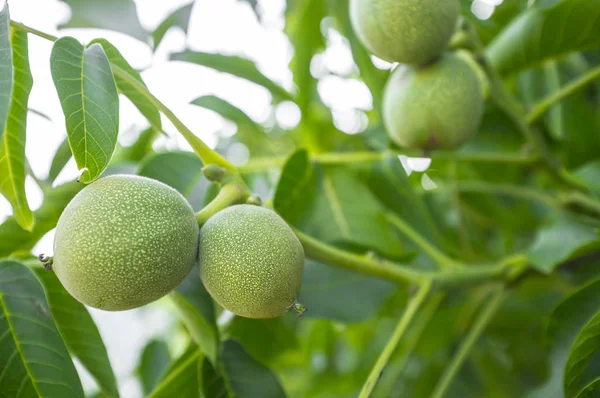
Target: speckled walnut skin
(250, 261)
(439, 106)
(407, 31)
(124, 241)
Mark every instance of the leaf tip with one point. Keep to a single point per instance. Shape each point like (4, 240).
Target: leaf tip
(26, 221)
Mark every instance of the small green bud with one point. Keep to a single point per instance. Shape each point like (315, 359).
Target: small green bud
(254, 200)
(213, 172)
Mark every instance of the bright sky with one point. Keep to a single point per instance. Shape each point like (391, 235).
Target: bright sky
(225, 26)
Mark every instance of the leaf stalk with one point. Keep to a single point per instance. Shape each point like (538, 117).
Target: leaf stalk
(207, 155)
(570, 88)
(341, 158)
(228, 195)
(398, 273)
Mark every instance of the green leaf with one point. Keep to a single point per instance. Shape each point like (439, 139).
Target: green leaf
(179, 17)
(118, 15)
(592, 390)
(558, 241)
(6, 67)
(190, 351)
(197, 311)
(88, 95)
(183, 377)
(153, 363)
(13, 238)
(140, 101)
(137, 151)
(582, 124)
(503, 14)
(213, 384)
(296, 188)
(246, 377)
(251, 134)
(583, 349)
(564, 328)
(554, 115)
(389, 182)
(537, 84)
(303, 26)
(590, 175)
(80, 334)
(34, 361)
(12, 145)
(253, 334)
(226, 110)
(330, 293)
(237, 66)
(180, 170)
(346, 212)
(61, 158)
(546, 33)
(580, 116)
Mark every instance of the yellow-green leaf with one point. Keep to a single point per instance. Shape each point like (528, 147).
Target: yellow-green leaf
(12, 146)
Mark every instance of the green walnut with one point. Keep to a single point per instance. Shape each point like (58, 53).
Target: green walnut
(435, 107)
(250, 261)
(124, 241)
(407, 31)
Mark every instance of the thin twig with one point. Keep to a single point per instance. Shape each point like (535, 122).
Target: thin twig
(511, 190)
(341, 158)
(465, 348)
(381, 268)
(409, 313)
(540, 108)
